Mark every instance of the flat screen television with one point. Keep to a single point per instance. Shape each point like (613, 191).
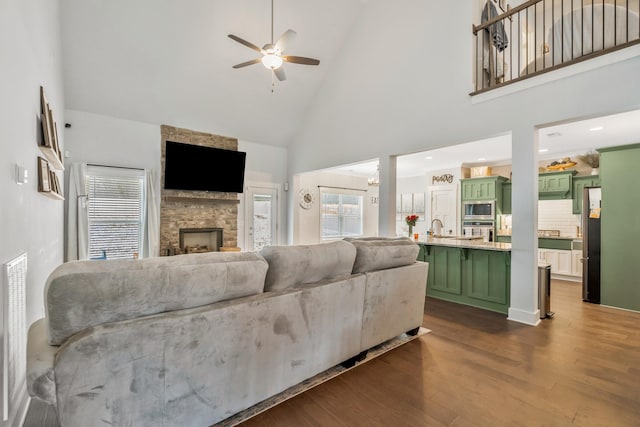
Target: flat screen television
(195, 167)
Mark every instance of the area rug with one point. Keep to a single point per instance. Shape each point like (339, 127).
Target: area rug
(317, 380)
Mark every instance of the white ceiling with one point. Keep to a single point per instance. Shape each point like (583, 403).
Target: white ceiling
(554, 142)
(169, 61)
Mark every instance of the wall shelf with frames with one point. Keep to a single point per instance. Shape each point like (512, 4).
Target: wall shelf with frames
(48, 182)
(50, 146)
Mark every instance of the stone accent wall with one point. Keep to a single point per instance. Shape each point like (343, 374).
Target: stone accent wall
(196, 209)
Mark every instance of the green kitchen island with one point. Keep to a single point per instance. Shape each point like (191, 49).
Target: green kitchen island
(471, 272)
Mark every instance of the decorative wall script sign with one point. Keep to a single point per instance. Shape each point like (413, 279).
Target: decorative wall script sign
(446, 178)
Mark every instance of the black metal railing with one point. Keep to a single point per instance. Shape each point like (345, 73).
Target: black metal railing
(543, 35)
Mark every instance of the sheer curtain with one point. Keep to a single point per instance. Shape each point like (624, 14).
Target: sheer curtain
(152, 226)
(77, 222)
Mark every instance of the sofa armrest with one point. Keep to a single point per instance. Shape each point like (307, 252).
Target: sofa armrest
(40, 358)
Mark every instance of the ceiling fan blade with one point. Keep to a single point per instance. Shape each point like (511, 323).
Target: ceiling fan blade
(246, 43)
(300, 60)
(279, 72)
(244, 64)
(285, 39)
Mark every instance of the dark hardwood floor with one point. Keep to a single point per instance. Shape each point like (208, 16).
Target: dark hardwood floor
(478, 369)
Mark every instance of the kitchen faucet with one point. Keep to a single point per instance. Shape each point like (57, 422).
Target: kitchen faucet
(440, 227)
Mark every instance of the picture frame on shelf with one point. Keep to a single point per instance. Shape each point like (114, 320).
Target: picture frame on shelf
(44, 175)
(46, 118)
(52, 178)
(55, 139)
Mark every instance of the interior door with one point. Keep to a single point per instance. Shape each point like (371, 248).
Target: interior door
(444, 207)
(261, 226)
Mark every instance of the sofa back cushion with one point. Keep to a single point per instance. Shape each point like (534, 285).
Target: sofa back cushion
(379, 253)
(82, 294)
(301, 264)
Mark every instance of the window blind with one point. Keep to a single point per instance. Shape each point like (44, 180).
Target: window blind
(115, 212)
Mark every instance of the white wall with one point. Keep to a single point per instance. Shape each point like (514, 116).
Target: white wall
(29, 222)
(307, 221)
(105, 140)
(406, 103)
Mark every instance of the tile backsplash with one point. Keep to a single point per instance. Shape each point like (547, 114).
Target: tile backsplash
(557, 215)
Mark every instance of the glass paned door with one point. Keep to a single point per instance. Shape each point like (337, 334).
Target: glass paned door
(262, 217)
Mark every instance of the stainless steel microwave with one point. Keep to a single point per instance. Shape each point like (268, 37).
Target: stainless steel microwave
(479, 210)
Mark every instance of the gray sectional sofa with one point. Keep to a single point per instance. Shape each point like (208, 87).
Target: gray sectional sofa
(194, 339)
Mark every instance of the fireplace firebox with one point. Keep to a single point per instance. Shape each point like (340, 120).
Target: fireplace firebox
(195, 240)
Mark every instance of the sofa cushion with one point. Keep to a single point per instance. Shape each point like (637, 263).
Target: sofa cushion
(301, 264)
(380, 253)
(82, 294)
(40, 359)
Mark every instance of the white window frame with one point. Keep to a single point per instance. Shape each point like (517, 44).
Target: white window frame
(341, 192)
(121, 173)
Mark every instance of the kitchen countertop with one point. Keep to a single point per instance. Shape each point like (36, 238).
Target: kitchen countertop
(466, 243)
(548, 237)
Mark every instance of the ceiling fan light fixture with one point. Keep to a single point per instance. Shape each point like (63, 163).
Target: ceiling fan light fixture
(271, 61)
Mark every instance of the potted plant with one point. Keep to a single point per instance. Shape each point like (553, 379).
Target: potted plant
(411, 222)
(592, 158)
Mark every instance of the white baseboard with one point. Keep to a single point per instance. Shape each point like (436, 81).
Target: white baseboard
(620, 308)
(526, 317)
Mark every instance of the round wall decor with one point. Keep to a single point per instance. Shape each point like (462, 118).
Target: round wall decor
(306, 198)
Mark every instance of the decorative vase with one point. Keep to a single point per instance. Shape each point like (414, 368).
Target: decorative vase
(410, 230)
(595, 171)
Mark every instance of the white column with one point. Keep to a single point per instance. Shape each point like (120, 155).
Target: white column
(524, 247)
(387, 206)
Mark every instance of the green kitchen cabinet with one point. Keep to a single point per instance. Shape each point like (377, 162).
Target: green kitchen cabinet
(420, 253)
(489, 188)
(620, 227)
(555, 185)
(505, 207)
(476, 277)
(579, 183)
(550, 243)
(444, 269)
(487, 276)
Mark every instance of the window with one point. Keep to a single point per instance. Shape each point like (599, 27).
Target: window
(341, 214)
(116, 212)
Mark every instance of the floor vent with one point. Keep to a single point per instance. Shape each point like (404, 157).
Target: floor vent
(15, 335)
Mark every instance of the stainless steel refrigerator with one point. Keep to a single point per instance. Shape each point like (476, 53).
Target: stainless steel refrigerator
(591, 212)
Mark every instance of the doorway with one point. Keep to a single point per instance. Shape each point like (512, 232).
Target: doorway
(261, 226)
(443, 206)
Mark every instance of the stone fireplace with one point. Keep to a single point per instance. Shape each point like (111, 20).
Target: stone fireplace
(191, 210)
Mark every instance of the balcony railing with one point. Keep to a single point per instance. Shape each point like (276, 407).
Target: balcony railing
(544, 35)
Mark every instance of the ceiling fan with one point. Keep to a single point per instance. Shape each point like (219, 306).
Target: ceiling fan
(273, 54)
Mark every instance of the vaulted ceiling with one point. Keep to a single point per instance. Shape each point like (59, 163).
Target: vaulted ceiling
(169, 61)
